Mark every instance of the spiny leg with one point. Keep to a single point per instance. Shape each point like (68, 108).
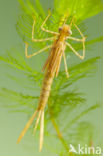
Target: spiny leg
(41, 130)
(82, 41)
(37, 121)
(78, 40)
(29, 56)
(39, 40)
(66, 69)
(73, 22)
(27, 126)
(79, 30)
(42, 26)
(75, 52)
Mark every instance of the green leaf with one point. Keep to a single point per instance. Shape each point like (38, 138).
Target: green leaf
(79, 8)
(66, 107)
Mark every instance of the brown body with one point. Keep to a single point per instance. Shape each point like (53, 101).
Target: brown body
(51, 68)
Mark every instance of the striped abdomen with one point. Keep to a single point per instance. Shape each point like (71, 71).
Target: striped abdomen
(45, 91)
(51, 67)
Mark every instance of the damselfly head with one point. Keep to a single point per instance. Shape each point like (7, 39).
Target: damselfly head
(65, 29)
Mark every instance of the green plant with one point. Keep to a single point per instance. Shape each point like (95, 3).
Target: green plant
(66, 107)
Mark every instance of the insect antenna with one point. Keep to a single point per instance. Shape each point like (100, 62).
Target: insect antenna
(63, 19)
(72, 21)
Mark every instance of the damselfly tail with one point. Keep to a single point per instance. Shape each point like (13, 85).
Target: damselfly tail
(41, 130)
(27, 126)
(40, 115)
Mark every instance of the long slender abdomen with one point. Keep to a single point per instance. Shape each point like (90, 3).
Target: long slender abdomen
(45, 91)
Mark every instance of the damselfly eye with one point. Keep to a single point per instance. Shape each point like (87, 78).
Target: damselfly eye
(70, 32)
(60, 29)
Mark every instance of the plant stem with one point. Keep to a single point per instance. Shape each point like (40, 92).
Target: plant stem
(59, 134)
